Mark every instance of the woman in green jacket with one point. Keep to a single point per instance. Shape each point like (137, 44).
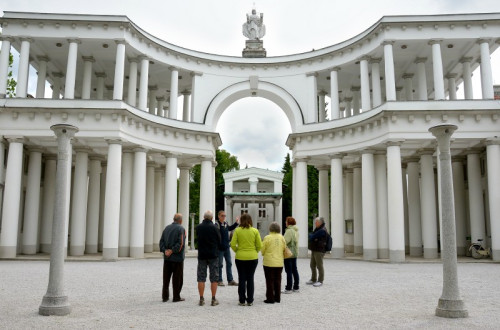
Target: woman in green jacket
(273, 249)
(246, 243)
(292, 241)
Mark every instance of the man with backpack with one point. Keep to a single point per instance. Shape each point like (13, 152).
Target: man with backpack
(317, 244)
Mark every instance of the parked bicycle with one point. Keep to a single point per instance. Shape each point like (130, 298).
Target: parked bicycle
(478, 251)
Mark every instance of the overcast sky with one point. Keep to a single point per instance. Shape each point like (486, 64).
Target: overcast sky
(254, 129)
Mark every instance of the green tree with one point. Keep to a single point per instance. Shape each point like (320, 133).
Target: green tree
(11, 82)
(312, 193)
(286, 201)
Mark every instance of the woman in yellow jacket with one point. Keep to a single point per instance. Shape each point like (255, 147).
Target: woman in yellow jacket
(273, 249)
(246, 243)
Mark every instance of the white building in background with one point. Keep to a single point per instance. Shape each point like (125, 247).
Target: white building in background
(257, 192)
(121, 87)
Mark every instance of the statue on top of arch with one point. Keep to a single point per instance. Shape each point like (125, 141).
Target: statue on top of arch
(254, 28)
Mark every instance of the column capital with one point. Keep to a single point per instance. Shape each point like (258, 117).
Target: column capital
(466, 60)
(412, 160)
(435, 41)
(312, 74)
(474, 151)
(60, 129)
(421, 60)
(458, 159)
(6, 38)
(196, 73)
(97, 157)
(347, 99)
(186, 92)
(495, 140)
(150, 163)
(28, 39)
(43, 58)
(365, 58)
(322, 93)
(173, 68)
(483, 40)
(153, 87)
(355, 88)
(367, 151)
(356, 165)
(142, 57)
(160, 98)
(393, 143)
(323, 167)
(335, 68)
(14, 138)
(50, 157)
(407, 75)
(171, 154)
(375, 59)
(399, 88)
(214, 163)
(426, 151)
(120, 41)
(133, 59)
(74, 40)
(57, 74)
(337, 156)
(88, 59)
(82, 149)
(387, 42)
(100, 74)
(301, 158)
(113, 140)
(185, 166)
(451, 76)
(36, 149)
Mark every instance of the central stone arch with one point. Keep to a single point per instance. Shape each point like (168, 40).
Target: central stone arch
(269, 91)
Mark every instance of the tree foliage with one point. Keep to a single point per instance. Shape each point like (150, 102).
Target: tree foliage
(11, 82)
(286, 201)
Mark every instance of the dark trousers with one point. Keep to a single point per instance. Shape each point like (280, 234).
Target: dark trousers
(246, 271)
(273, 283)
(292, 274)
(174, 270)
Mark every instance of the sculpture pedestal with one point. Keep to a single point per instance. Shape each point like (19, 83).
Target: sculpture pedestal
(254, 48)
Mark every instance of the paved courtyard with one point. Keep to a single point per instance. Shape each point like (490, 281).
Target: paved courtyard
(356, 294)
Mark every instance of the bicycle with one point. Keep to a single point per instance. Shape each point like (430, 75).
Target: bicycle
(478, 251)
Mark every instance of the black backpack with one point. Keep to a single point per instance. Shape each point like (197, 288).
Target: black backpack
(329, 242)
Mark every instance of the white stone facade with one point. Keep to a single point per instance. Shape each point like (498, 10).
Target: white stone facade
(121, 87)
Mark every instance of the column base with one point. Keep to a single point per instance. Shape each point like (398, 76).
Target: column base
(29, 249)
(415, 251)
(58, 306)
(451, 309)
(430, 253)
(8, 251)
(90, 248)
(369, 254)
(123, 251)
(156, 248)
(45, 248)
(110, 254)
(383, 253)
(137, 252)
(148, 248)
(396, 255)
(349, 248)
(495, 255)
(77, 250)
(303, 252)
(338, 253)
(358, 249)
(99, 247)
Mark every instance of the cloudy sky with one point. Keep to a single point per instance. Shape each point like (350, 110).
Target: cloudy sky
(253, 129)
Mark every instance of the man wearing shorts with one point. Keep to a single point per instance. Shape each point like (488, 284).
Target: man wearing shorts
(208, 256)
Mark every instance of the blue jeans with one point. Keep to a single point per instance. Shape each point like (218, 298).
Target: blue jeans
(225, 254)
(291, 271)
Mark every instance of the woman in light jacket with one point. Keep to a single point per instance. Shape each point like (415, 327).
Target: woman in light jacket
(292, 242)
(273, 249)
(246, 243)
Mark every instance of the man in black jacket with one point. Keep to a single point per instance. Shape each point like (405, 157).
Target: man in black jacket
(317, 243)
(172, 245)
(224, 250)
(208, 256)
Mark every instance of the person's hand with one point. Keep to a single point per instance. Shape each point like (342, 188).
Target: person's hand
(168, 253)
(238, 220)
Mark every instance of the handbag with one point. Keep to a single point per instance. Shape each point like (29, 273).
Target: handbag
(287, 253)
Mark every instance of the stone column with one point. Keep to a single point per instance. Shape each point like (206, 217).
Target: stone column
(191, 216)
(414, 214)
(460, 211)
(93, 201)
(348, 208)
(55, 301)
(355, 100)
(390, 80)
(376, 89)
(111, 226)
(348, 106)
(421, 78)
(158, 208)
(476, 201)
(125, 205)
(87, 76)
(450, 304)
(69, 86)
(467, 77)
(437, 69)
(301, 208)
(428, 205)
(408, 86)
(357, 213)
(152, 99)
(399, 91)
(79, 203)
(138, 206)
(170, 186)
(4, 64)
(452, 87)
(132, 82)
(485, 67)
(56, 88)
(365, 84)
(395, 206)
(321, 107)
(334, 94)
(11, 199)
(49, 195)
(174, 91)
(102, 202)
(143, 83)
(119, 70)
(42, 76)
(149, 240)
(23, 68)
(324, 195)
(337, 206)
(405, 208)
(382, 204)
(205, 186)
(185, 106)
(311, 97)
(493, 164)
(32, 202)
(294, 185)
(160, 100)
(369, 205)
(184, 196)
(100, 84)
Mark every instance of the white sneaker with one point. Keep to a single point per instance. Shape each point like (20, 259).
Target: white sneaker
(296, 291)
(317, 284)
(286, 291)
(310, 282)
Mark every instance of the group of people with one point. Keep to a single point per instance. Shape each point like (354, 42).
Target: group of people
(214, 243)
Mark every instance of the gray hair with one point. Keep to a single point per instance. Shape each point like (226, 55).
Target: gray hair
(177, 217)
(320, 219)
(274, 227)
(208, 215)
